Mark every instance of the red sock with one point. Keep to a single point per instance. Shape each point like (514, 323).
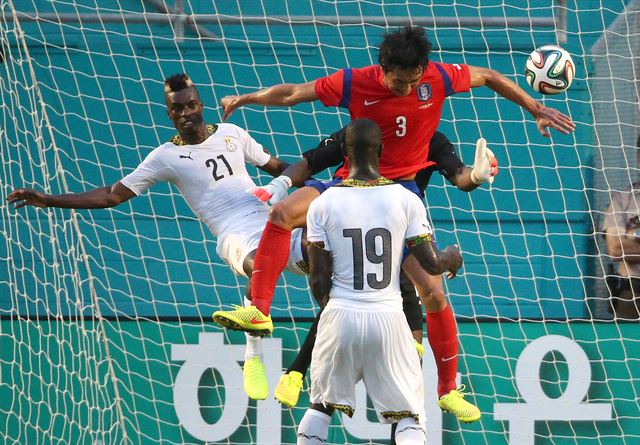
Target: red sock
(442, 333)
(271, 259)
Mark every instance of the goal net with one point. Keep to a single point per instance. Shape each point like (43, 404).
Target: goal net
(105, 315)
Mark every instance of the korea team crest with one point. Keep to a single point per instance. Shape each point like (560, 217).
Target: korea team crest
(424, 91)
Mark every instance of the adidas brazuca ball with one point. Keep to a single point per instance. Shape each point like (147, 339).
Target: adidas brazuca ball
(550, 69)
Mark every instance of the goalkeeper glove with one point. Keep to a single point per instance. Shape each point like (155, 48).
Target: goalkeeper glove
(275, 191)
(485, 166)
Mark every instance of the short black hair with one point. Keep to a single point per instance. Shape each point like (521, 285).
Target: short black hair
(177, 82)
(362, 139)
(406, 48)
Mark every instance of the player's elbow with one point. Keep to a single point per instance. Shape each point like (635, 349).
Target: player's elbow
(112, 200)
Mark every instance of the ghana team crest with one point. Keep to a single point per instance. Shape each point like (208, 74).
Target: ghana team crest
(424, 91)
(230, 145)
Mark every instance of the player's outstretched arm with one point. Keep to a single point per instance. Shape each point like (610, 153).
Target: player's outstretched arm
(286, 95)
(328, 153)
(109, 196)
(434, 260)
(277, 189)
(274, 166)
(484, 169)
(545, 117)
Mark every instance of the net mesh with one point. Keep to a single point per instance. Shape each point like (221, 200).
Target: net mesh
(98, 306)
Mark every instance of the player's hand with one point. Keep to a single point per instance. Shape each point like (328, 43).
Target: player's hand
(551, 118)
(229, 105)
(455, 260)
(275, 191)
(24, 197)
(485, 166)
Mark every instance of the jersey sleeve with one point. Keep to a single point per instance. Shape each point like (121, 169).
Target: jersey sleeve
(456, 77)
(443, 153)
(327, 154)
(254, 153)
(329, 89)
(150, 171)
(417, 222)
(316, 230)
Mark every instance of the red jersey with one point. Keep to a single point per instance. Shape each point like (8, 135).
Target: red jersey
(407, 122)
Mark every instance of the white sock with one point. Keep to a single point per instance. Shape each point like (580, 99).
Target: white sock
(409, 432)
(254, 343)
(313, 428)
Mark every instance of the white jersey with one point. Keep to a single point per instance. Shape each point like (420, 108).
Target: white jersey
(213, 179)
(365, 229)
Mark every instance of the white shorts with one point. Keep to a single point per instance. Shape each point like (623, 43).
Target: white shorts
(235, 247)
(376, 347)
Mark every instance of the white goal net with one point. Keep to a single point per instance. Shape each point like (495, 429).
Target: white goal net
(105, 315)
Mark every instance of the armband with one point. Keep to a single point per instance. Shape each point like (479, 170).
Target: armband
(419, 239)
(318, 244)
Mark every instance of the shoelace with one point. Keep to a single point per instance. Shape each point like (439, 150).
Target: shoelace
(461, 390)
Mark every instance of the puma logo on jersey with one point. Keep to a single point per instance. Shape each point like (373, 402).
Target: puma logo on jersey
(367, 103)
(186, 156)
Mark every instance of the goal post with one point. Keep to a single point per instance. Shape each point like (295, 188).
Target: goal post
(105, 315)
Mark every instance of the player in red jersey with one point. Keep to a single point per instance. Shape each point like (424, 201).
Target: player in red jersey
(404, 95)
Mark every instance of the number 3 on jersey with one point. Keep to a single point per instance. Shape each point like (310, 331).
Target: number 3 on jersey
(372, 255)
(401, 121)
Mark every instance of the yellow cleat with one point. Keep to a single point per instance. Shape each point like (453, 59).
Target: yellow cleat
(248, 319)
(255, 379)
(419, 349)
(288, 390)
(455, 403)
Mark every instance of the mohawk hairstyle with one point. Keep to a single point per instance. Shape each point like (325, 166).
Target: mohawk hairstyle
(177, 82)
(406, 48)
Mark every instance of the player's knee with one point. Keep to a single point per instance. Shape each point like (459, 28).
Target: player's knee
(283, 215)
(433, 299)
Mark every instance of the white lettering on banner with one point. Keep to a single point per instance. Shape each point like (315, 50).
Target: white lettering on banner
(212, 353)
(537, 405)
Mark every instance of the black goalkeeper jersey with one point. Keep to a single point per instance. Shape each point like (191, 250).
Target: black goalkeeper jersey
(329, 153)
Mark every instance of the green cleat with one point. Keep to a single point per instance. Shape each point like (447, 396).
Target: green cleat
(247, 319)
(288, 390)
(455, 404)
(255, 379)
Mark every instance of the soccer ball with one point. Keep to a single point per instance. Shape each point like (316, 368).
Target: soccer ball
(550, 69)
